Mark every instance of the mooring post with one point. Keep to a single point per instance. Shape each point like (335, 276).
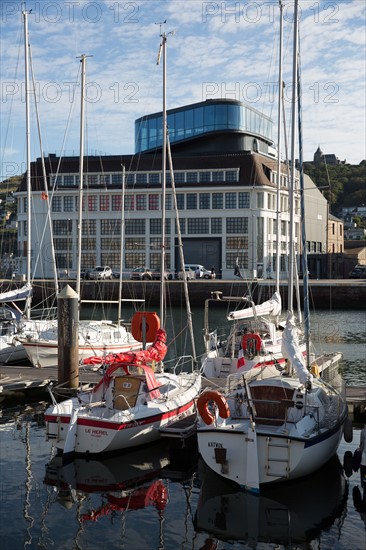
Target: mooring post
(68, 341)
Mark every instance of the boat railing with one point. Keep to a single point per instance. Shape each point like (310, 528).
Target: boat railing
(181, 364)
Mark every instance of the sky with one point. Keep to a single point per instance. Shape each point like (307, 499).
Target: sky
(215, 49)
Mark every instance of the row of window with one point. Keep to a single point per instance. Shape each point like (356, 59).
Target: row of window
(145, 178)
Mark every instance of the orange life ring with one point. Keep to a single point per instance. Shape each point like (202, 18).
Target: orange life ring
(219, 400)
(152, 325)
(251, 336)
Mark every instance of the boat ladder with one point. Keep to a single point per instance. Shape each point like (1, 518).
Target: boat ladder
(278, 457)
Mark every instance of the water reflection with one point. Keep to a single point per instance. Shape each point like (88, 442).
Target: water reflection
(292, 513)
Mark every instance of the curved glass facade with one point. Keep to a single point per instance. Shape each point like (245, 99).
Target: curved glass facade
(201, 118)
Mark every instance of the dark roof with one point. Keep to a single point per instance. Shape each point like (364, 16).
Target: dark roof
(255, 168)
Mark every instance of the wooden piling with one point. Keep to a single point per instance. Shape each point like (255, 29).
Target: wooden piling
(68, 341)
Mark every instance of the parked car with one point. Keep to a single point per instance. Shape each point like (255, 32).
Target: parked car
(141, 274)
(200, 272)
(84, 274)
(101, 272)
(190, 274)
(358, 272)
(156, 274)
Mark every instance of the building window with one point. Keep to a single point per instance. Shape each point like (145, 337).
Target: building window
(130, 180)
(237, 243)
(168, 202)
(62, 227)
(180, 201)
(218, 176)
(205, 176)
(244, 199)
(116, 203)
(236, 225)
(237, 258)
(217, 201)
(92, 179)
(204, 201)
(260, 200)
(141, 179)
(154, 202)
(108, 243)
(92, 202)
(134, 259)
(135, 227)
(89, 227)
(192, 177)
(230, 200)
(231, 175)
(69, 181)
(129, 203)
(216, 225)
(104, 203)
(135, 243)
(104, 179)
(154, 177)
(179, 177)
(56, 205)
(68, 204)
(191, 201)
(198, 225)
(110, 227)
(117, 179)
(155, 226)
(140, 202)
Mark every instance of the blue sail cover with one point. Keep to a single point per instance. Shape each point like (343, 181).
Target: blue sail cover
(17, 294)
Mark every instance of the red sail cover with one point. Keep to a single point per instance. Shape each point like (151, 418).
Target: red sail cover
(156, 352)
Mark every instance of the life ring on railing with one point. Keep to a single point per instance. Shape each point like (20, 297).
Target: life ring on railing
(152, 325)
(202, 406)
(247, 340)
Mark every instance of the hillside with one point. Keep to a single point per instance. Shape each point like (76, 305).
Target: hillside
(342, 185)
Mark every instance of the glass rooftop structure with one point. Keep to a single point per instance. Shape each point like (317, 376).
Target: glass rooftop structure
(198, 119)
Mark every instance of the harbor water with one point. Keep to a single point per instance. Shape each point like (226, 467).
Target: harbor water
(158, 498)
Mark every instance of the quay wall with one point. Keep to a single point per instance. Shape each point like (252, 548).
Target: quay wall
(323, 294)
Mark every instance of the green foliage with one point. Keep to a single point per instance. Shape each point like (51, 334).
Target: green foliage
(342, 185)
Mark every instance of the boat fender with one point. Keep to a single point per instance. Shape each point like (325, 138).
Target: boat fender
(202, 406)
(152, 325)
(347, 463)
(348, 430)
(251, 336)
(315, 370)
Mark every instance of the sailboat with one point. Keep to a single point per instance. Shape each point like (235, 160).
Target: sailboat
(280, 427)
(96, 338)
(133, 400)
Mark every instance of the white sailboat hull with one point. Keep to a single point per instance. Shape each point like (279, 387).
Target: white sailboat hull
(95, 339)
(97, 429)
(275, 430)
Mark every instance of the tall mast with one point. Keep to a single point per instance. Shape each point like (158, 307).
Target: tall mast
(278, 202)
(293, 163)
(81, 175)
(28, 172)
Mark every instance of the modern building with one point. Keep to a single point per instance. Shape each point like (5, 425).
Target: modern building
(225, 178)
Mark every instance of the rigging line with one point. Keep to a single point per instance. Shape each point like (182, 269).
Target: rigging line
(302, 199)
(4, 149)
(47, 225)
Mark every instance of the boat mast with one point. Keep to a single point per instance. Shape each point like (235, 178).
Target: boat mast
(162, 51)
(83, 58)
(278, 202)
(293, 163)
(28, 172)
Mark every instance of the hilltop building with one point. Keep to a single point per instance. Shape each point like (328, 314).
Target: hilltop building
(225, 174)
